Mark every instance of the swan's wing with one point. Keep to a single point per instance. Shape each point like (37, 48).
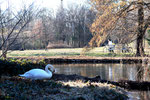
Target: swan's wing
(41, 74)
(37, 74)
(27, 75)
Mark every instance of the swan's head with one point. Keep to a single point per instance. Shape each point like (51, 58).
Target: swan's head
(51, 67)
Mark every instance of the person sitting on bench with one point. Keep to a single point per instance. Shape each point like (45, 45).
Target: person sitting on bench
(111, 46)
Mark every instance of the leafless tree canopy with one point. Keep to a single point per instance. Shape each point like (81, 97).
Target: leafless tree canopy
(12, 25)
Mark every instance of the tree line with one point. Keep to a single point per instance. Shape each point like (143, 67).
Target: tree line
(69, 26)
(35, 28)
(39, 28)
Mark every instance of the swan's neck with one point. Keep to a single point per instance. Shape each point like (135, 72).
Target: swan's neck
(47, 70)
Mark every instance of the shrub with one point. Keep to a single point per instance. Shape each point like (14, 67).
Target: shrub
(15, 66)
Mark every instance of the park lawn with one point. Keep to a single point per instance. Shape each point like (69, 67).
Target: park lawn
(49, 52)
(98, 52)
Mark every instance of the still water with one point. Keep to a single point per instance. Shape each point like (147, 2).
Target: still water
(112, 72)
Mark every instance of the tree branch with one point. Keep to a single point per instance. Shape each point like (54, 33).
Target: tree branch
(10, 33)
(148, 5)
(6, 49)
(147, 23)
(126, 8)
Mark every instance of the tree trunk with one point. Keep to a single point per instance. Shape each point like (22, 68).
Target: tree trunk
(140, 48)
(4, 53)
(140, 32)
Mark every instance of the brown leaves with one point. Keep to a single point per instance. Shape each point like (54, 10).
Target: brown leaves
(108, 15)
(105, 20)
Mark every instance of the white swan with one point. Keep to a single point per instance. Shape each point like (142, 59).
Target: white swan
(39, 73)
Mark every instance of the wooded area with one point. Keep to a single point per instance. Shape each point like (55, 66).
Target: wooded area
(34, 28)
(122, 21)
(107, 39)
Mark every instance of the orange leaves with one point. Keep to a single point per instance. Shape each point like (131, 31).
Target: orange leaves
(106, 19)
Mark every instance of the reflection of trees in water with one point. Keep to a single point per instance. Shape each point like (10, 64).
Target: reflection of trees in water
(124, 71)
(89, 70)
(110, 74)
(144, 95)
(116, 72)
(104, 72)
(113, 72)
(140, 72)
(143, 72)
(83, 72)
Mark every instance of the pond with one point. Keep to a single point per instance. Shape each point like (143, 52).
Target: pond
(112, 72)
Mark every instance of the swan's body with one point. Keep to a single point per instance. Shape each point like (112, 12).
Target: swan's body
(39, 73)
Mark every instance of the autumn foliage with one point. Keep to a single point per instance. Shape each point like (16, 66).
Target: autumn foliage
(131, 16)
(107, 16)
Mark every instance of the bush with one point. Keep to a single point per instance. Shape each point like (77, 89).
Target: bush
(17, 66)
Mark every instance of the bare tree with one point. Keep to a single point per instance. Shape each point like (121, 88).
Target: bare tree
(78, 21)
(12, 25)
(47, 25)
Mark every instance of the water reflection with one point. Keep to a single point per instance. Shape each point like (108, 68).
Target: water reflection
(113, 72)
(139, 95)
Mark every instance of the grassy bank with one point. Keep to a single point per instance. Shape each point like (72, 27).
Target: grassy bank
(68, 52)
(13, 87)
(17, 88)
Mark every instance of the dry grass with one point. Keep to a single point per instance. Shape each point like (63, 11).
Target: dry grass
(23, 89)
(69, 52)
(52, 52)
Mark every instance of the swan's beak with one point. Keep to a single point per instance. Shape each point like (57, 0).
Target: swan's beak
(53, 71)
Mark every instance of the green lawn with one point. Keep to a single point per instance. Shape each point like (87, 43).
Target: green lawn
(69, 52)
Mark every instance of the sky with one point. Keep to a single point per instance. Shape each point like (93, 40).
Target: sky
(51, 4)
